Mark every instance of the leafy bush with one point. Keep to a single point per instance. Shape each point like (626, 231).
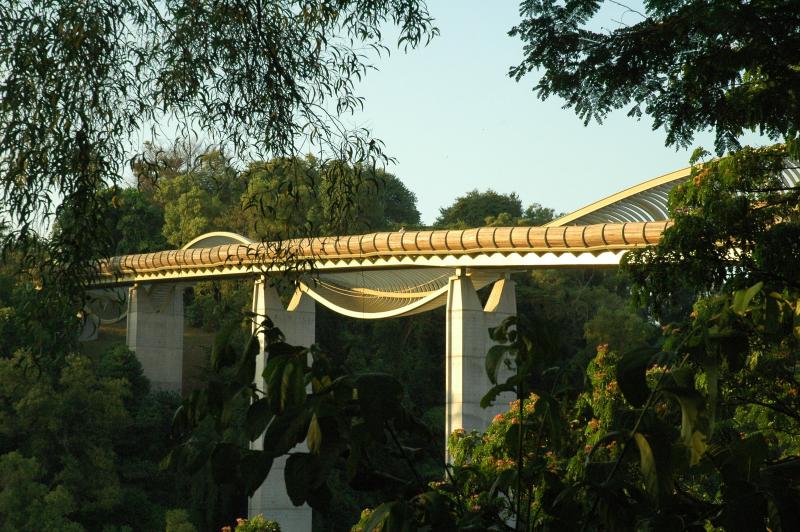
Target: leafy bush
(256, 524)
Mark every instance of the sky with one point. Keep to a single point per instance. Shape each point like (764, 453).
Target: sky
(455, 121)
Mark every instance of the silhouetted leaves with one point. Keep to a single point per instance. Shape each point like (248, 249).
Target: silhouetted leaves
(631, 374)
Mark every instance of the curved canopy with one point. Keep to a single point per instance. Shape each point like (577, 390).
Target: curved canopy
(646, 202)
(217, 238)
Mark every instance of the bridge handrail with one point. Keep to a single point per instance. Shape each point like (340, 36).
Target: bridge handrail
(587, 238)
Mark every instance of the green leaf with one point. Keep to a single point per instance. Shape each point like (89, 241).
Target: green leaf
(314, 436)
(648, 465)
(494, 391)
(494, 359)
(293, 385)
(259, 414)
(742, 298)
(691, 403)
(246, 371)
(287, 430)
(631, 378)
(379, 516)
(300, 475)
(254, 468)
(319, 498)
(393, 516)
(796, 322)
(285, 378)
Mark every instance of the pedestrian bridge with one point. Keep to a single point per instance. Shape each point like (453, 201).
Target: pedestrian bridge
(374, 276)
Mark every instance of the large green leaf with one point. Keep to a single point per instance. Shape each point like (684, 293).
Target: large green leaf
(254, 468)
(494, 359)
(285, 379)
(287, 430)
(314, 436)
(300, 474)
(246, 368)
(631, 370)
(259, 414)
(796, 320)
(648, 465)
(742, 298)
(509, 386)
(394, 516)
(692, 435)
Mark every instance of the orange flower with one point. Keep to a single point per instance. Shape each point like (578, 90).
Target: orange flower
(700, 176)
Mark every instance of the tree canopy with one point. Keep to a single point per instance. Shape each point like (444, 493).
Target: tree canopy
(475, 209)
(691, 65)
(80, 82)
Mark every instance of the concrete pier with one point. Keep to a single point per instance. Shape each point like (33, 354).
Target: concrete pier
(297, 322)
(466, 345)
(155, 333)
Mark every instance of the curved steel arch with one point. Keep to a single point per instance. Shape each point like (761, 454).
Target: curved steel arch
(217, 238)
(626, 206)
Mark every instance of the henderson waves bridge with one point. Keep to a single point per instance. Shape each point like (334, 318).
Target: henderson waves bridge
(377, 276)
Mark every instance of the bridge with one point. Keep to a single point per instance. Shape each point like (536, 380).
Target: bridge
(375, 276)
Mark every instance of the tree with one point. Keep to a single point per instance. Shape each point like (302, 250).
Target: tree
(136, 222)
(707, 433)
(301, 197)
(691, 65)
(204, 199)
(80, 81)
(133, 221)
(472, 209)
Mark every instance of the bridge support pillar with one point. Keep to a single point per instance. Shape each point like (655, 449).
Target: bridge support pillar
(155, 333)
(297, 323)
(466, 345)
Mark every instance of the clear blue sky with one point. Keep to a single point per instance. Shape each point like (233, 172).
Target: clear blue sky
(455, 121)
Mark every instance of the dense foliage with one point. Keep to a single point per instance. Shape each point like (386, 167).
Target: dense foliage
(80, 445)
(680, 415)
(82, 83)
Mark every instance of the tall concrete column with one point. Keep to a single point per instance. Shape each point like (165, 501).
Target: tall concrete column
(466, 345)
(297, 322)
(155, 333)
